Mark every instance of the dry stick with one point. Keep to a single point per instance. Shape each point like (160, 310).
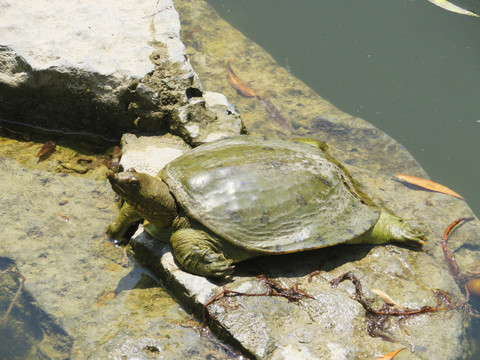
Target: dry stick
(17, 294)
(291, 294)
(361, 299)
(425, 309)
(274, 289)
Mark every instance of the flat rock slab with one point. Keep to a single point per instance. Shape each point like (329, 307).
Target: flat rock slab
(328, 323)
(99, 66)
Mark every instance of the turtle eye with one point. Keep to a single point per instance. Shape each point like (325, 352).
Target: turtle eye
(132, 180)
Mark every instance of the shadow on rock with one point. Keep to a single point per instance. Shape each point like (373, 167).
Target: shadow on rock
(27, 332)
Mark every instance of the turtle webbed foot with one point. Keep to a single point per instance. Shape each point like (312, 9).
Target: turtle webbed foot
(119, 227)
(413, 237)
(218, 266)
(392, 229)
(198, 254)
(406, 234)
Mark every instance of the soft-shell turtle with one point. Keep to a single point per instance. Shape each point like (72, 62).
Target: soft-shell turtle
(246, 196)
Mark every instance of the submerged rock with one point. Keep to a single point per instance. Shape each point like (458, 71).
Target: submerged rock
(104, 67)
(27, 331)
(53, 226)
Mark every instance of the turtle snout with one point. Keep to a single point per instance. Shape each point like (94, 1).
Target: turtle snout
(110, 175)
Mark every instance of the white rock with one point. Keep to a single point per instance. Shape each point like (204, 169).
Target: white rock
(150, 154)
(214, 99)
(103, 36)
(92, 65)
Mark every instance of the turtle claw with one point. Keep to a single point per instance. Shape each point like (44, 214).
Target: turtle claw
(224, 272)
(411, 234)
(215, 264)
(415, 238)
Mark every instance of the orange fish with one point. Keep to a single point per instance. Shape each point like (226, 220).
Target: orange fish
(190, 34)
(429, 185)
(268, 106)
(390, 356)
(46, 149)
(238, 85)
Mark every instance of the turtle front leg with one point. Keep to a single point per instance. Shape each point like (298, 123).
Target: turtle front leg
(126, 217)
(199, 253)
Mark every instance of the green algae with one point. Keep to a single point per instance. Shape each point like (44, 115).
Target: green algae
(54, 226)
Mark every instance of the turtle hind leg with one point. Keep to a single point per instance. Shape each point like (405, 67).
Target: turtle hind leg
(199, 254)
(392, 229)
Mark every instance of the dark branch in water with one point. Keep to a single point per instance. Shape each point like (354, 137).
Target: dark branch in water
(450, 259)
(17, 294)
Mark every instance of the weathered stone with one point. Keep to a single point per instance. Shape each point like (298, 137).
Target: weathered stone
(99, 66)
(150, 154)
(208, 119)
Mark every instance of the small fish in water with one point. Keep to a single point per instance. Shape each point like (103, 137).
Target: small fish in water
(47, 149)
(116, 153)
(244, 90)
(114, 162)
(188, 35)
(64, 217)
(272, 110)
(238, 85)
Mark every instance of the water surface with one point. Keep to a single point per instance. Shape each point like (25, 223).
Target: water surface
(406, 66)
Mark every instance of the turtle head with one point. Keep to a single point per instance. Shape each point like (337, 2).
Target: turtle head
(149, 196)
(131, 185)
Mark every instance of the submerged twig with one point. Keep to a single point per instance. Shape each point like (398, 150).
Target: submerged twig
(17, 294)
(450, 259)
(454, 268)
(359, 296)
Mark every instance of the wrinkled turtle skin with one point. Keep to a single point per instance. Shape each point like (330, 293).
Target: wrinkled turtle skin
(247, 196)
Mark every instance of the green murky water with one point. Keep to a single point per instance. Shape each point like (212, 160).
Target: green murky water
(406, 66)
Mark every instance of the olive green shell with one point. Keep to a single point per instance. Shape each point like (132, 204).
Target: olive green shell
(268, 194)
